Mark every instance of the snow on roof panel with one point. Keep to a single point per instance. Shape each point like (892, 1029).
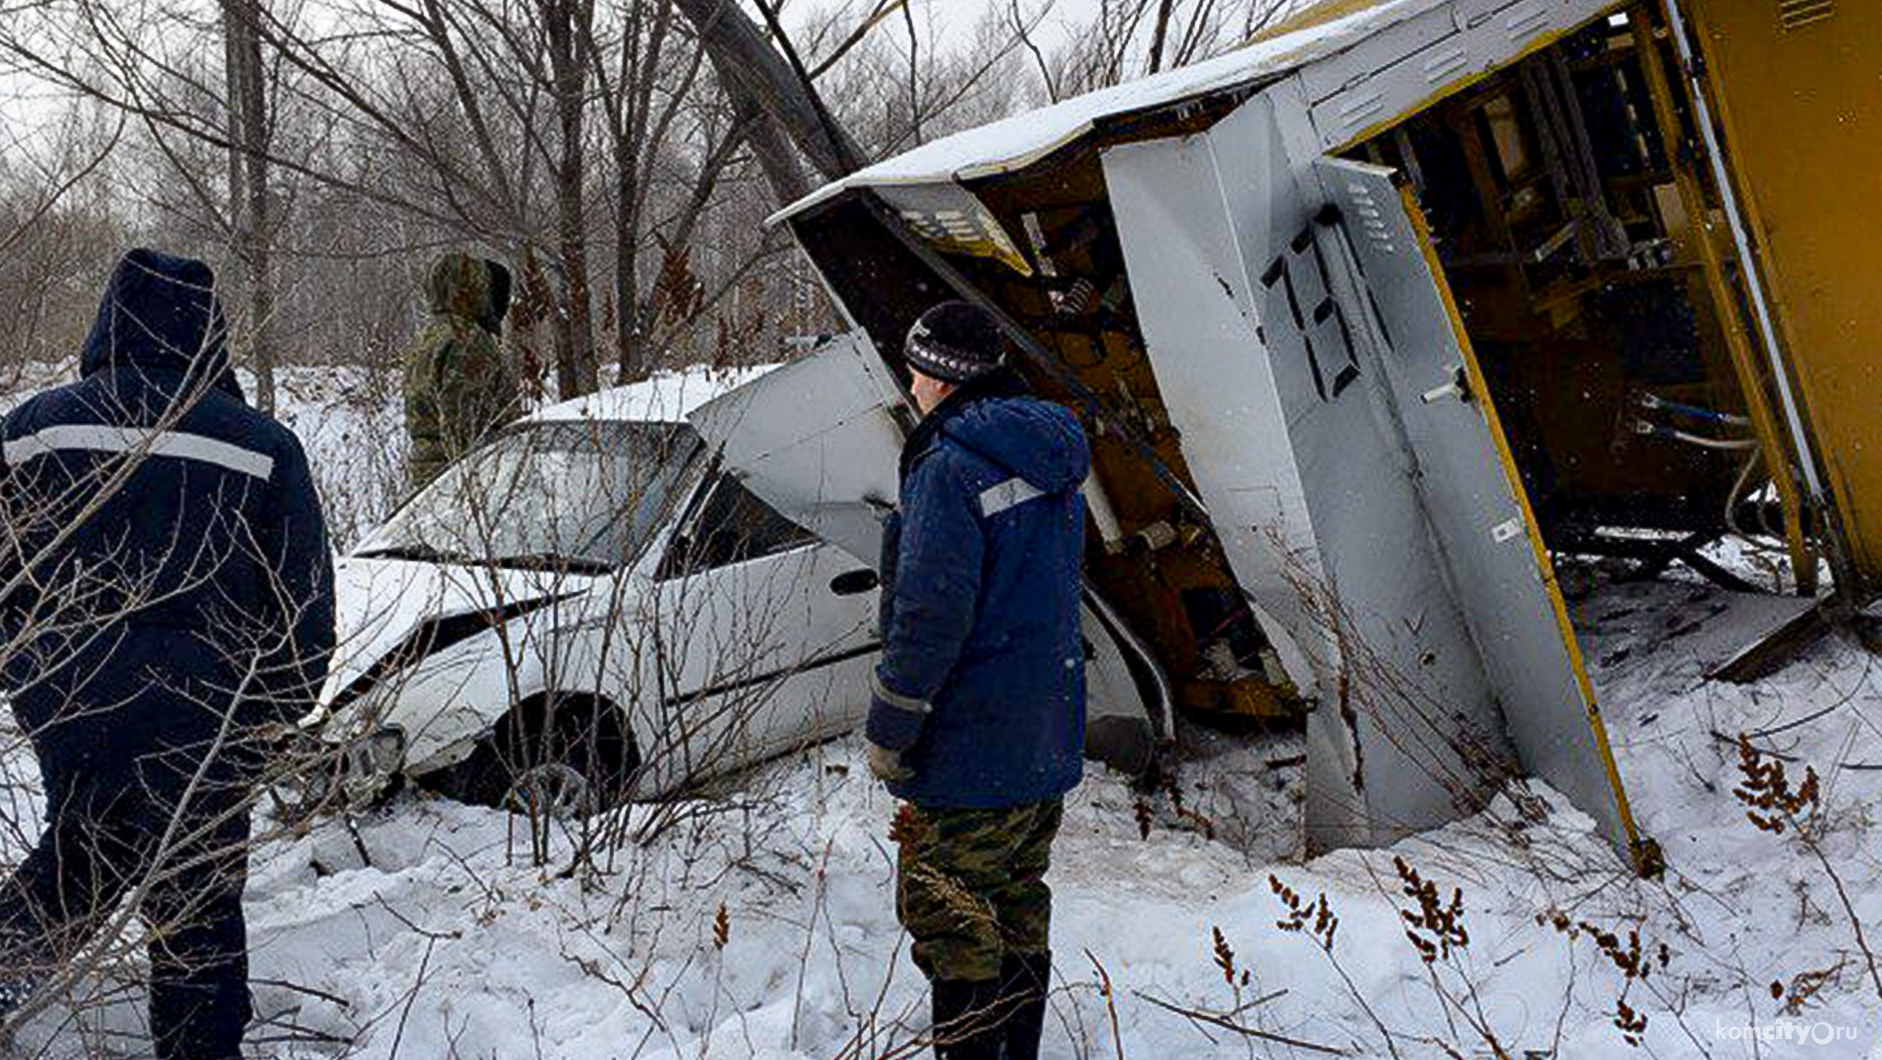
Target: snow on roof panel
(665, 398)
(1019, 141)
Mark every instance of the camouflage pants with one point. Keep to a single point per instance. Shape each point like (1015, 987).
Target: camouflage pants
(970, 886)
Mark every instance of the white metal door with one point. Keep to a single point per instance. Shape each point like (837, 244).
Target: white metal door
(1290, 439)
(1474, 498)
(764, 636)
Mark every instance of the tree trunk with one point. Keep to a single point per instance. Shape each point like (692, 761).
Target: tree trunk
(249, 205)
(754, 73)
(567, 29)
(768, 144)
(1161, 34)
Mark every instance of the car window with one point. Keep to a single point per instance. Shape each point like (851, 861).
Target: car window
(580, 494)
(732, 526)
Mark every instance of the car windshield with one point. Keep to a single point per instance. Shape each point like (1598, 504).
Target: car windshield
(584, 496)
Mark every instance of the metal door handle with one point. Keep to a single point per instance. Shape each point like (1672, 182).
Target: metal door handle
(1458, 387)
(855, 582)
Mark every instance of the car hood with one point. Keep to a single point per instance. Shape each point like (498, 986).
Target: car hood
(390, 613)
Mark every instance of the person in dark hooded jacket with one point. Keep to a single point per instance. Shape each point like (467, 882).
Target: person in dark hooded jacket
(166, 602)
(978, 719)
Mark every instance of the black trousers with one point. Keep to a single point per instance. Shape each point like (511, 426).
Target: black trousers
(104, 839)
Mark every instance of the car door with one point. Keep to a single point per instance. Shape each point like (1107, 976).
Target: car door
(818, 439)
(763, 635)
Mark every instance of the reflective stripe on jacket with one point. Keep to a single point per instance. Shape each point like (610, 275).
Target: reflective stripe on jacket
(982, 679)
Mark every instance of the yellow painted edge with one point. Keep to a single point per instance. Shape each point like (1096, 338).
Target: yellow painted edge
(1745, 363)
(1748, 204)
(1480, 396)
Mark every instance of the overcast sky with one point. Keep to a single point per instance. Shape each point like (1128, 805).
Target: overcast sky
(952, 20)
(959, 16)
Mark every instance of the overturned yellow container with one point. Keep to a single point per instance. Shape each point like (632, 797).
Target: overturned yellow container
(1373, 318)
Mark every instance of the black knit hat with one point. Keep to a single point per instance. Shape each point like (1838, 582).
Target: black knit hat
(955, 342)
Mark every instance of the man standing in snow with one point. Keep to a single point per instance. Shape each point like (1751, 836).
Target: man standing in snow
(978, 719)
(166, 605)
(458, 387)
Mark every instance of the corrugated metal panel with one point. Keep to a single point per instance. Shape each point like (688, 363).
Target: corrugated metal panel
(1376, 53)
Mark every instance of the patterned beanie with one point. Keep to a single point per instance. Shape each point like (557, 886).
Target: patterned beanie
(955, 342)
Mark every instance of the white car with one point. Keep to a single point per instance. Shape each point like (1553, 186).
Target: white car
(592, 607)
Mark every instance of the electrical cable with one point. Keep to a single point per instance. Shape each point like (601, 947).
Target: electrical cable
(1654, 430)
(1714, 443)
(1654, 401)
(1737, 491)
(1731, 509)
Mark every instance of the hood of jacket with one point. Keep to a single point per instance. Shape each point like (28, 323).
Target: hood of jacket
(995, 417)
(474, 289)
(160, 314)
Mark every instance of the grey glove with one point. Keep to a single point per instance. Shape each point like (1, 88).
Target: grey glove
(887, 765)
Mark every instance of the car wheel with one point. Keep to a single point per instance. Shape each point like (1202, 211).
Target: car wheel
(553, 790)
(567, 759)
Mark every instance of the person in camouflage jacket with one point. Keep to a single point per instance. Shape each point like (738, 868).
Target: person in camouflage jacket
(458, 387)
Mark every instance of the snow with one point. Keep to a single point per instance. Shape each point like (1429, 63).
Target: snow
(666, 398)
(444, 941)
(422, 930)
(1020, 140)
(351, 421)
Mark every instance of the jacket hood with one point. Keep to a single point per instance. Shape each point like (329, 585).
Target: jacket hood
(160, 314)
(474, 289)
(994, 417)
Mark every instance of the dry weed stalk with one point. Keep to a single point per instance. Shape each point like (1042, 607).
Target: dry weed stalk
(1109, 995)
(1634, 960)
(1805, 986)
(1318, 921)
(1773, 805)
(1436, 930)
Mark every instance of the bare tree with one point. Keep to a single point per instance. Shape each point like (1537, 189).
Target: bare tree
(250, 125)
(1133, 38)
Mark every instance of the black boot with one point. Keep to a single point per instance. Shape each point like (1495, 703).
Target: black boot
(966, 1019)
(1025, 979)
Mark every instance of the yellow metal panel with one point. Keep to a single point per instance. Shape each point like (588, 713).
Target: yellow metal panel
(1800, 95)
(1745, 362)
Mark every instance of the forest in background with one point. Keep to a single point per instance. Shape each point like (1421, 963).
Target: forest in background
(620, 155)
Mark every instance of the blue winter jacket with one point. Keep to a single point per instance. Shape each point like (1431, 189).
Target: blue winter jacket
(982, 679)
(163, 561)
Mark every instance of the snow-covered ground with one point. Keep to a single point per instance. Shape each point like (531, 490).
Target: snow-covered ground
(443, 941)
(761, 924)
